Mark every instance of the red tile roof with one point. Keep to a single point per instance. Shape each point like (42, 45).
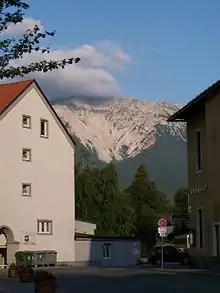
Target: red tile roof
(9, 92)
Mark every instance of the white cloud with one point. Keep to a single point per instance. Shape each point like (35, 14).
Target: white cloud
(93, 75)
(20, 28)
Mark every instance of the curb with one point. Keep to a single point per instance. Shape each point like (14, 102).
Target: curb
(194, 273)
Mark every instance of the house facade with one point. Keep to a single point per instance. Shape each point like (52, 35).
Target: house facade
(203, 144)
(37, 210)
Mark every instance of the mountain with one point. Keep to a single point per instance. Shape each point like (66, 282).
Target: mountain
(130, 132)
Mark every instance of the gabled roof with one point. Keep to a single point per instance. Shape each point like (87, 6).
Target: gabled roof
(10, 92)
(207, 94)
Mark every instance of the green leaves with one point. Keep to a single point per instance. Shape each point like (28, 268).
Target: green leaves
(129, 212)
(11, 49)
(149, 203)
(98, 198)
(181, 202)
(180, 211)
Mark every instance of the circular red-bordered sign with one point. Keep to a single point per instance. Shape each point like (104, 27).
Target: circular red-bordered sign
(162, 222)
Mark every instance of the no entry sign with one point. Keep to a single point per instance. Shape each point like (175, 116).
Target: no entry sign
(162, 222)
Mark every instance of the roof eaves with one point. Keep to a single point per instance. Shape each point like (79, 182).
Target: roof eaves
(180, 115)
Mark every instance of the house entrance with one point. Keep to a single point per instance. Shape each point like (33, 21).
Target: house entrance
(8, 246)
(3, 250)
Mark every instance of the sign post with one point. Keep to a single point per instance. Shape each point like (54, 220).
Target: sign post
(162, 230)
(162, 260)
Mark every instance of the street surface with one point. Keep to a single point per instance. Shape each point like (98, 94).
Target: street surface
(137, 280)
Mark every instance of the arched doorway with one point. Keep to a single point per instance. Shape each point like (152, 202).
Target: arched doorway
(3, 249)
(8, 246)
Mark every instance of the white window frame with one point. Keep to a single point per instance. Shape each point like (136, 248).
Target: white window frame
(44, 227)
(198, 238)
(46, 128)
(107, 250)
(28, 157)
(26, 186)
(198, 168)
(26, 118)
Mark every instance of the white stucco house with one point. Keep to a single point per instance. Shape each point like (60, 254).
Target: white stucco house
(37, 209)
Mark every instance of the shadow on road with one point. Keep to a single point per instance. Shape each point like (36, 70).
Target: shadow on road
(89, 280)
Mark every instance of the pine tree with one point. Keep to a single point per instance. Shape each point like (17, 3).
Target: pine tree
(149, 203)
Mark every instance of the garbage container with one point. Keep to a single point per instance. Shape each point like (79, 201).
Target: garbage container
(38, 258)
(50, 258)
(24, 258)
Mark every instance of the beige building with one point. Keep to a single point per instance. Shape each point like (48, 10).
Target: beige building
(202, 116)
(37, 209)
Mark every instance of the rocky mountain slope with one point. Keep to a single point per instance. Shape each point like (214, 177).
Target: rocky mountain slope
(130, 132)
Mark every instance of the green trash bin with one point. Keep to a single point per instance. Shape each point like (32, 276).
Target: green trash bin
(38, 258)
(24, 258)
(50, 258)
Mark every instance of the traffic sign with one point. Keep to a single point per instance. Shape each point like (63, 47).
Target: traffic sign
(162, 231)
(162, 222)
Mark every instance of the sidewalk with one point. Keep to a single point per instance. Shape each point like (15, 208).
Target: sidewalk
(195, 272)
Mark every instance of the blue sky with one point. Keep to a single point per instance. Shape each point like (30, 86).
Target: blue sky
(174, 46)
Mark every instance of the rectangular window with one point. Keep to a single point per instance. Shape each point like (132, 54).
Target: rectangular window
(200, 227)
(107, 250)
(26, 155)
(44, 227)
(26, 189)
(26, 121)
(217, 244)
(44, 128)
(198, 152)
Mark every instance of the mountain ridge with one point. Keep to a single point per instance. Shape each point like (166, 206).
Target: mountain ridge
(110, 126)
(128, 130)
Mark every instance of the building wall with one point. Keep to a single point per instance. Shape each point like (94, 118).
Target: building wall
(198, 179)
(51, 173)
(123, 252)
(206, 119)
(85, 227)
(213, 146)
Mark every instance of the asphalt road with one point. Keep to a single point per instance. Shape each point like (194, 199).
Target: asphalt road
(121, 280)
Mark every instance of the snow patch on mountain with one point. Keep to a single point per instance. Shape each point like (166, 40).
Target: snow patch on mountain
(119, 128)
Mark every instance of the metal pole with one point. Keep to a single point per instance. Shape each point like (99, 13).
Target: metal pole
(188, 202)
(162, 254)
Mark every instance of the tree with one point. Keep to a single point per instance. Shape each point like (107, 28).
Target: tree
(98, 198)
(11, 49)
(149, 204)
(181, 202)
(109, 191)
(180, 211)
(125, 216)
